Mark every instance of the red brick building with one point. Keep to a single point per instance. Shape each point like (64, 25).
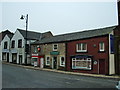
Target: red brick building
(92, 52)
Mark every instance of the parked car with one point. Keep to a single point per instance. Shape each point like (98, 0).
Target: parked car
(118, 85)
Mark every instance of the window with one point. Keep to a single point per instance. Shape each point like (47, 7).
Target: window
(13, 44)
(47, 60)
(82, 47)
(101, 46)
(81, 63)
(5, 45)
(35, 49)
(62, 61)
(55, 47)
(20, 43)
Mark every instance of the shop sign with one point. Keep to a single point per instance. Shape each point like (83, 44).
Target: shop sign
(54, 53)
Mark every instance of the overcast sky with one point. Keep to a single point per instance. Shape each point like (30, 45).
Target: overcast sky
(59, 17)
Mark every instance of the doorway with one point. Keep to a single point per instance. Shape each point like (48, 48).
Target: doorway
(55, 62)
(7, 57)
(20, 59)
(102, 66)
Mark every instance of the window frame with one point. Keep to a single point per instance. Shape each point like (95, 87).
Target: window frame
(83, 68)
(5, 45)
(13, 44)
(61, 60)
(20, 45)
(54, 47)
(81, 46)
(101, 50)
(47, 60)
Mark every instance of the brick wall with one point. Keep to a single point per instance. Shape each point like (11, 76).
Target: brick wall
(91, 50)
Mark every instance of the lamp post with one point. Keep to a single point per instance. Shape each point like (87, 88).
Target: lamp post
(26, 18)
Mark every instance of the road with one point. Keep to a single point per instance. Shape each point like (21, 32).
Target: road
(18, 77)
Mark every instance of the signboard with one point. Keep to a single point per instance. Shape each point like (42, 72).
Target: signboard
(54, 53)
(111, 44)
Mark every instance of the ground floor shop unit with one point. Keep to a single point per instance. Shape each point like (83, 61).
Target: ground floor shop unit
(37, 60)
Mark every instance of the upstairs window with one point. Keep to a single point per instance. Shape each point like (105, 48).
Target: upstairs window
(35, 49)
(20, 43)
(5, 45)
(101, 46)
(55, 47)
(81, 47)
(13, 44)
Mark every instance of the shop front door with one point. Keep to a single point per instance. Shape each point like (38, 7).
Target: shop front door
(54, 62)
(7, 57)
(20, 59)
(101, 66)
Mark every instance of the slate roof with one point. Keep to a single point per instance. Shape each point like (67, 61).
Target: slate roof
(77, 35)
(33, 35)
(10, 35)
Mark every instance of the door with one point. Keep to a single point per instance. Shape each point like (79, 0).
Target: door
(20, 59)
(7, 57)
(101, 66)
(54, 62)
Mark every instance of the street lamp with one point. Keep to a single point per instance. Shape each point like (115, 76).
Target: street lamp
(26, 18)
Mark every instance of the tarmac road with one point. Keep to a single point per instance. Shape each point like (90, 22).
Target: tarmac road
(18, 77)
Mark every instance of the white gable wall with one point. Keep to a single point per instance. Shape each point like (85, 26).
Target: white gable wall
(20, 51)
(5, 39)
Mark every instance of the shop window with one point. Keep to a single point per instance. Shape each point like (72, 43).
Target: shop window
(62, 61)
(55, 47)
(5, 45)
(20, 43)
(35, 49)
(81, 63)
(101, 46)
(47, 60)
(13, 44)
(81, 47)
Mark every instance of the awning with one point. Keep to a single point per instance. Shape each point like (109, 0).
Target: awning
(81, 56)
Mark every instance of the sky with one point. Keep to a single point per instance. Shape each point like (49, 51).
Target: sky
(58, 17)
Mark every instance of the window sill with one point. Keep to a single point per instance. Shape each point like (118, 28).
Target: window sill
(81, 69)
(101, 51)
(81, 51)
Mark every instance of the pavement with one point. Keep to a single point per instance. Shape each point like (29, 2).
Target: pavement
(67, 72)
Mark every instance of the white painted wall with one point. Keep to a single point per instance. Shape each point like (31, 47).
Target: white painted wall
(111, 59)
(5, 39)
(20, 51)
(0, 53)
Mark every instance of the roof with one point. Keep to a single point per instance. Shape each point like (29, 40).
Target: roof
(34, 35)
(77, 35)
(10, 35)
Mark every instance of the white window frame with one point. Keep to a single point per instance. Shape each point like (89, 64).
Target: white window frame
(54, 48)
(81, 47)
(101, 46)
(47, 60)
(60, 61)
(88, 59)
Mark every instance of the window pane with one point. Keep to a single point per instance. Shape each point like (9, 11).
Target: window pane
(48, 60)
(84, 46)
(79, 46)
(101, 46)
(81, 63)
